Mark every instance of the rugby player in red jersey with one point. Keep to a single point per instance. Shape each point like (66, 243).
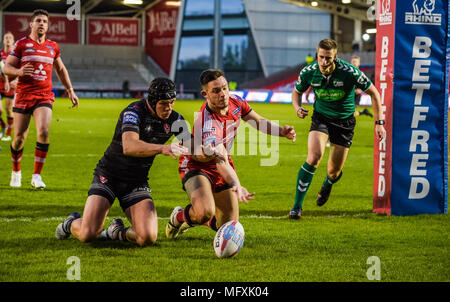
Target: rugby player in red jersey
(214, 198)
(7, 88)
(32, 61)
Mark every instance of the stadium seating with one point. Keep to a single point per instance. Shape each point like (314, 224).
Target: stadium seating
(104, 68)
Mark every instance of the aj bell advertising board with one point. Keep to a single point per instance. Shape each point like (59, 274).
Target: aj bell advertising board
(412, 68)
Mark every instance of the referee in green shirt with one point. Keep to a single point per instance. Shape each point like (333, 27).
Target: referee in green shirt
(334, 82)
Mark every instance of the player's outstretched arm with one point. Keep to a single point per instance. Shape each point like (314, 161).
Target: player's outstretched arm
(63, 76)
(266, 126)
(133, 146)
(229, 174)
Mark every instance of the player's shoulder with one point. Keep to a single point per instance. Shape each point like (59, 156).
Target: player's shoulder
(24, 40)
(137, 107)
(310, 68)
(237, 99)
(346, 67)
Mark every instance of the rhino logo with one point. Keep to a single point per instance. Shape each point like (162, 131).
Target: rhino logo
(422, 13)
(424, 6)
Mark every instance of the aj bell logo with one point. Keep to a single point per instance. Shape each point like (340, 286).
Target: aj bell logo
(423, 13)
(385, 17)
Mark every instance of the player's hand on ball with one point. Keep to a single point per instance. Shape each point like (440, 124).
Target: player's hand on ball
(242, 193)
(288, 132)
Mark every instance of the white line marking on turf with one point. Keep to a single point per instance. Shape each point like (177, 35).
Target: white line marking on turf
(61, 218)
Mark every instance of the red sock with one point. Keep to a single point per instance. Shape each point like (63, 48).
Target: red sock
(2, 123)
(180, 217)
(40, 154)
(16, 157)
(183, 216)
(211, 223)
(10, 125)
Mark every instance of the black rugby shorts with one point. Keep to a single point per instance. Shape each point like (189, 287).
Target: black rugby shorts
(340, 131)
(128, 194)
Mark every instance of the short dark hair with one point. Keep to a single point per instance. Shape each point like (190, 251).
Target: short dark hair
(209, 75)
(38, 12)
(327, 44)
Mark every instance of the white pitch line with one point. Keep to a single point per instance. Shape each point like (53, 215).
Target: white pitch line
(61, 218)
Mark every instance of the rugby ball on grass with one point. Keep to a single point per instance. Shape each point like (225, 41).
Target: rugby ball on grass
(229, 239)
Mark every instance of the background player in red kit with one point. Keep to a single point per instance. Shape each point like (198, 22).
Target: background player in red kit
(32, 60)
(214, 200)
(7, 87)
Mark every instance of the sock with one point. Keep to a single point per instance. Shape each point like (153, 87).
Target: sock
(16, 157)
(40, 154)
(2, 123)
(212, 223)
(68, 224)
(123, 234)
(330, 181)
(304, 178)
(10, 125)
(183, 216)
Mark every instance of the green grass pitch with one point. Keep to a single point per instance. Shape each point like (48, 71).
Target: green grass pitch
(330, 243)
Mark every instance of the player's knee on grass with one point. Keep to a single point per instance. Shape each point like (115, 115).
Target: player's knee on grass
(146, 238)
(88, 235)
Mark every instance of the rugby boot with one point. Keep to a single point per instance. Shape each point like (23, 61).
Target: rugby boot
(114, 229)
(173, 231)
(36, 182)
(16, 179)
(323, 195)
(366, 112)
(63, 229)
(295, 213)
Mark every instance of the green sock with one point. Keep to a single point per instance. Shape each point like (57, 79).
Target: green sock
(330, 181)
(304, 178)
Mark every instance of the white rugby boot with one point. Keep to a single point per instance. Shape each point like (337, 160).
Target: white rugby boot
(36, 181)
(16, 179)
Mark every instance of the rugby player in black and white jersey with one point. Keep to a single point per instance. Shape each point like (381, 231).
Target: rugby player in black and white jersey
(141, 132)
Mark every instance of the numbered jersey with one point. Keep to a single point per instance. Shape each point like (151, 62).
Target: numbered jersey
(42, 57)
(335, 93)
